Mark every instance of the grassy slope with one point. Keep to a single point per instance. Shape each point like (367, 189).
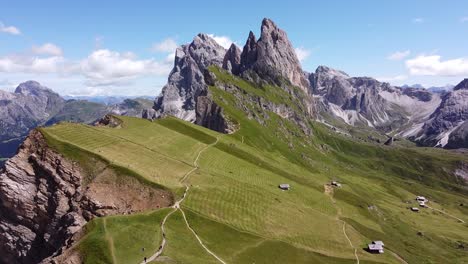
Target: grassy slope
(121, 239)
(236, 208)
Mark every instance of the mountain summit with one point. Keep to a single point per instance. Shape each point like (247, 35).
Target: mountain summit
(273, 54)
(272, 58)
(329, 96)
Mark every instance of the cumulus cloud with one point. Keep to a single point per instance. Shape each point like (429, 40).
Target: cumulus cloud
(47, 49)
(168, 45)
(105, 67)
(418, 20)
(26, 64)
(9, 29)
(224, 41)
(398, 55)
(302, 53)
(100, 68)
(434, 65)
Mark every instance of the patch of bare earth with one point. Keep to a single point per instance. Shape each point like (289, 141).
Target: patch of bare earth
(125, 195)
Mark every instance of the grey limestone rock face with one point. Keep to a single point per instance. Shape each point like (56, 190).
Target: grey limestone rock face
(30, 105)
(448, 122)
(272, 59)
(186, 82)
(232, 59)
(275, 51)
(40, 203)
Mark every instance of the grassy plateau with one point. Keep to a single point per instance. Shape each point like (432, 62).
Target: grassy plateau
(234, 204)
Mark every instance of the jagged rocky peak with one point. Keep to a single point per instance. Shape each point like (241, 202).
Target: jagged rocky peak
(32, 88)
(267, 59)
(249, 53)
(463, 85)
(330, 73)
(274, 53)
(186, 81)
(232, 59)
(29, 87)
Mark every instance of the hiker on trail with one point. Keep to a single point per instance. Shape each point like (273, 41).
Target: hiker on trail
(145, 259)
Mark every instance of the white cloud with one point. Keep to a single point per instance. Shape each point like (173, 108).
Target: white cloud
(302, 53)
(47, 49)
(464, 19)
(398, 55)
(26, 64)
(9, 29)
(168, 45)
(418, 20)
(105, 67)
(101, 68)
(391, 79)
(224, 41)
(433, 65)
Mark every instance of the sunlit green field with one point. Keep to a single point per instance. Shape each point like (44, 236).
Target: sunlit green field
(235, 206)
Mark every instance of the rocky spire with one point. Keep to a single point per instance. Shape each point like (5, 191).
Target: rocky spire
(232, 59)
(249, 53)
(462, 86)
(186, 81)
(273, 52)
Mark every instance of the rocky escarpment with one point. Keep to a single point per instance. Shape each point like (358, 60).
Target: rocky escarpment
(272, 56)
(209, 114)
(46, 198)
(268, 60)
(232, 59)
(364, 101)
(448, 122)
(186, 81)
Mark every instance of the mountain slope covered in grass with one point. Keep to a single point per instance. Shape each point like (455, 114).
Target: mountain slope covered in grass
(236, 208)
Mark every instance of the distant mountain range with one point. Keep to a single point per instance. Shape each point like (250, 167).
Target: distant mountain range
(107, 100)
(434, 89)
(32, 105)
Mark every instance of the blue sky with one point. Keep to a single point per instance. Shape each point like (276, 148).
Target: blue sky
(124, 48)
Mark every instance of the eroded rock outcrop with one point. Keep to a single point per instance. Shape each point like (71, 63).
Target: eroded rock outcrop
(232, 59)
(447, 125)
(273, 54)
(270, 60)
(186, 82)
(45, 199)
(364, 101)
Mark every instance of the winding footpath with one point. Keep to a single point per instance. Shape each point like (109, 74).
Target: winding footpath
(329, 192)
(460, 220)
(176, 207)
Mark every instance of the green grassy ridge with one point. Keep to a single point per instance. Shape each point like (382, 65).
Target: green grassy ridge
(234, 195)
(345, 149)
(87, 161)
(381, 163)
(409, 164)
(218, 180)
(187, 130)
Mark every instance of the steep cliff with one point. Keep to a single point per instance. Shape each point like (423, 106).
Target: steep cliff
(186, 82)
(45, 198)
(447, 122)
